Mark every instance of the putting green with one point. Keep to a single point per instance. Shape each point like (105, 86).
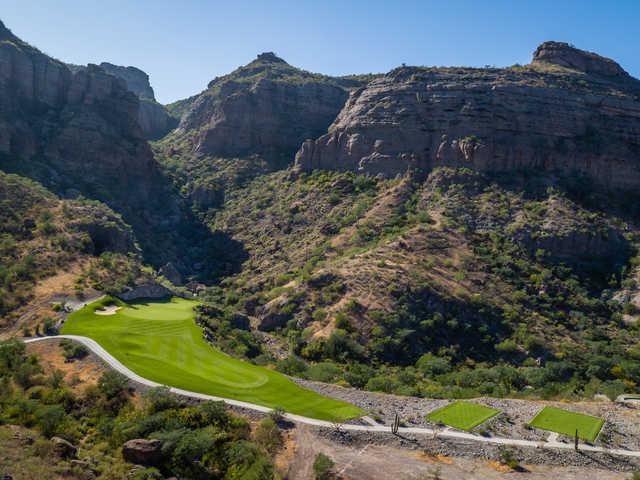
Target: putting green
(566, 422)
(159, 340)
(463, 415)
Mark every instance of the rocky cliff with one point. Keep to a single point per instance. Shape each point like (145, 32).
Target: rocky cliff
(266, 107)
(78, 133)
(569, 111)
(153, 118)
(137, 81)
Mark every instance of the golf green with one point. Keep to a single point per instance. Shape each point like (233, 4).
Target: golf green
(463, 415)
(566, 422)
(159, 340)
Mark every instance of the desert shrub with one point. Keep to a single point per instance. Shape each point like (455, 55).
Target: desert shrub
(323, 467)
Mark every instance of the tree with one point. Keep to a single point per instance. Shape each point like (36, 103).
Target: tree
(12, 354)
(112, 384)
(49, 418)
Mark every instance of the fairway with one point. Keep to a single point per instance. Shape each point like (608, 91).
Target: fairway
(566, 422)
(159, 340)
(463, 415)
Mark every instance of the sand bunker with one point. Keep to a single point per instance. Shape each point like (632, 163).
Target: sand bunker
(110, 310)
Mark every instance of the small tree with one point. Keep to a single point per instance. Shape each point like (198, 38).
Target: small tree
(507, 458)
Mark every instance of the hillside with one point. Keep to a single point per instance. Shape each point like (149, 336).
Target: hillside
(462, 231)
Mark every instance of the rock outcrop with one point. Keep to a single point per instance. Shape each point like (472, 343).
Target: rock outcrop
(583, 120)
(565, 55)
(266, 107)
(136, 80)
(148, 290)
(141, 451)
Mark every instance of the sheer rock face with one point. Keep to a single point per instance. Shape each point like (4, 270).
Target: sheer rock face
(153, 118)
(266, 107)
(490, 120)
(82, 125)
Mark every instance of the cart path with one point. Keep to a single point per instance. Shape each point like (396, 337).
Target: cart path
(119, 367)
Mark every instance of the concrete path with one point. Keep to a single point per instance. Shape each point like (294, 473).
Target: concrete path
(447, 433)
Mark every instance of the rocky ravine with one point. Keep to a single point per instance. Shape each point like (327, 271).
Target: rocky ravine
(569, 110)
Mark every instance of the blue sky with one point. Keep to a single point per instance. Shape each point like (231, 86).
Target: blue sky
(184, 44)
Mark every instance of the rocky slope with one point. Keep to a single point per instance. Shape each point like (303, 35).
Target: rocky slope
(153, 118)
(266, 107)
(569, 111)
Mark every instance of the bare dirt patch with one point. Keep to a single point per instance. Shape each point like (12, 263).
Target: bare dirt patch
(78, 373)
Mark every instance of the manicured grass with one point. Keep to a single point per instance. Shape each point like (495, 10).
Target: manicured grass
(566, 422)
(159, 340)
(463, 415)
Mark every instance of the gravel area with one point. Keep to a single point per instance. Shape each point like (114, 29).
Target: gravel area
(621, 428)
(470, 449)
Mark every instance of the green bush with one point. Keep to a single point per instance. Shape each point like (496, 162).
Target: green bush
(323, 467)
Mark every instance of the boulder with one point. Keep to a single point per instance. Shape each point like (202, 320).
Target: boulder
(63, 449)
(142, 451)
(149, 290)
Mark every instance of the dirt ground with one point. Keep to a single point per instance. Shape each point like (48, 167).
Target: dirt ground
(374, 462)
(78, 373)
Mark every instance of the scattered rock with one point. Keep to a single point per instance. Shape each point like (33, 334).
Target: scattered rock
(142, 451)
(63, 449)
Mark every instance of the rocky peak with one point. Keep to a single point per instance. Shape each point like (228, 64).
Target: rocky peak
(269, 57)
(137, 81)
(565, 55)
(5, 33)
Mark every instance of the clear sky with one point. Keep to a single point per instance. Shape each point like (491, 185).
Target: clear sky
(183, 44)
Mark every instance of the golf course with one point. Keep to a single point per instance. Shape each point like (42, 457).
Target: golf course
(160, 340)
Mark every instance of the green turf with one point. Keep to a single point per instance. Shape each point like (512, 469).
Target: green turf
(463, 415)
(566, 422)
(160, 341)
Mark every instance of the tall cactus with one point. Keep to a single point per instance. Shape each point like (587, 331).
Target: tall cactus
(395, 425)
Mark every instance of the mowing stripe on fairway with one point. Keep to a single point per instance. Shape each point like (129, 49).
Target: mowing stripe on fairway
(463, 415)
(566, 422)
(159, 340)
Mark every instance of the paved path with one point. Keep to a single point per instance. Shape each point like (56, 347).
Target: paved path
(116, 365)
